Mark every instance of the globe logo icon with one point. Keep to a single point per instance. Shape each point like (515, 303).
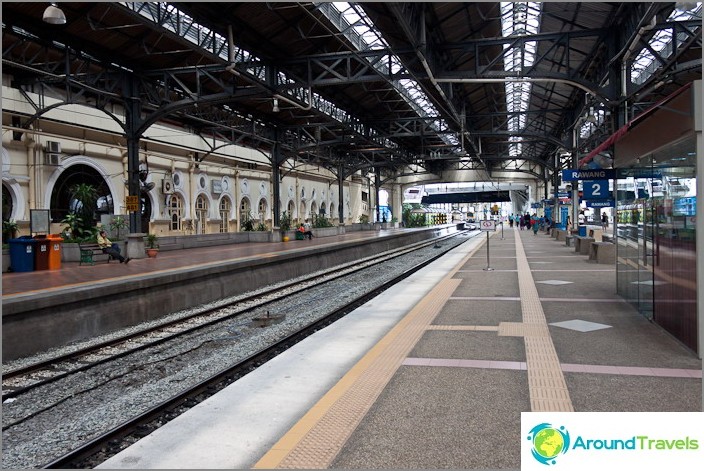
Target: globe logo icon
(548, 442)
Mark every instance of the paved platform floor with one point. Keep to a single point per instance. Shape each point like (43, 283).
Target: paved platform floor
(452, 384)
(436, 372)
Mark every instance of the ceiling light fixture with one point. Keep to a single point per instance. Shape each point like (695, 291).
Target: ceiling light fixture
(54, 15)
(276, 109)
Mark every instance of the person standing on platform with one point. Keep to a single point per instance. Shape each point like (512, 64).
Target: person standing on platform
(110, 248)
(604, 221)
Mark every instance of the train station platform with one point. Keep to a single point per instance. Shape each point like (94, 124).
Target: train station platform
(435, 372)
(50, 308)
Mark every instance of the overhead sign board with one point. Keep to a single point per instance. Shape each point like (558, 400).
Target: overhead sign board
(595, 189)
(487, 225)
(600, 203)
(603, 174)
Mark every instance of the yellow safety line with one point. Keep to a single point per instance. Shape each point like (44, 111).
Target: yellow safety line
(316, 439)
(546, 382)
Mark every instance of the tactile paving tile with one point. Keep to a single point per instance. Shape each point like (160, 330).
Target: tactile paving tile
(521, 329)
(316, 439)
(546, 382)
(463, 327)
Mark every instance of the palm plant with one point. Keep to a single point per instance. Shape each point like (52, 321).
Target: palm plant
(285, 222)
(118, 224)
(9, 230)
(86, 197)
(247, 222)
(152, 241)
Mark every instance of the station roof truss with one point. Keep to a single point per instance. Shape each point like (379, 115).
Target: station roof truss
(362, 86)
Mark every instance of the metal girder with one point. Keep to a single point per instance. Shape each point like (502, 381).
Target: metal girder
(687, 33)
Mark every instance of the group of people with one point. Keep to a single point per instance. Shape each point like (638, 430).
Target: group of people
(306, 233)
(528, 222)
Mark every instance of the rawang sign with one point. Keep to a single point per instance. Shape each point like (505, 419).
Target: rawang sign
(604, 174)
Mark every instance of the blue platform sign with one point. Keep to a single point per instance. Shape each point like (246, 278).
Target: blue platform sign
(595, 189)
(603, 174)
(601, 203)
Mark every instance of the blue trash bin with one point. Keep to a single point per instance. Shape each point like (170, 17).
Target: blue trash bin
(583, 231)
(22, 254)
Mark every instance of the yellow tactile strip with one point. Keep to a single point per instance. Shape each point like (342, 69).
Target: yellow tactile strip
(489, 328)
(317, 438)
(546, 383)
(519, 329)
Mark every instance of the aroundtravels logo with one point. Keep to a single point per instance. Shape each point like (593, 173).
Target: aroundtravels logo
(588, 441)
(548, 442)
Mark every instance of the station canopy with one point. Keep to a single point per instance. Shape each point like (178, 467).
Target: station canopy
(473, 192)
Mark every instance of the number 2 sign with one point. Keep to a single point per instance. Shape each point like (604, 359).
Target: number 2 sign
(595, 189)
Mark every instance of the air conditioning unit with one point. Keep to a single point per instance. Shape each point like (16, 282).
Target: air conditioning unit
(52, 159)
(167, 186)
(53, 147)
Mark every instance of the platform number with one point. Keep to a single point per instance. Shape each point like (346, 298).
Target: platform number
(595, 189)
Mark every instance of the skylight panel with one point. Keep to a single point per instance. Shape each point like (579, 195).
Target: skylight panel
(662, 42)
(367, 37)
(518, 19)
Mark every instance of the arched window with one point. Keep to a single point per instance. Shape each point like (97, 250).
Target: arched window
(302, 213)
(313, 208)
(245, 214)
(7, 203)
(63, 202)
(175, 211)
(262, 210)
(201, 214)
(245, 208)
(225, 207)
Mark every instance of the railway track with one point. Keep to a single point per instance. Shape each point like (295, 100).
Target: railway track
(99, 448)
(20, 380)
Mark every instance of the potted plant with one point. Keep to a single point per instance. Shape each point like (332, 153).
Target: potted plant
(152, 245)
(117, 225)
(9, 230)
(284, 225)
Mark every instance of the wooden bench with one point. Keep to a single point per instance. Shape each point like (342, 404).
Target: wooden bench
(90, 252)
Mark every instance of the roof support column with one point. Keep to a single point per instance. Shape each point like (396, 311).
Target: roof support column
(133, 109)
(377, 185)
(575, 185)
(340, 194)
(276, 182)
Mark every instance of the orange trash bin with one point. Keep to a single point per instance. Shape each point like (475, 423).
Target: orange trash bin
(55, 241)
